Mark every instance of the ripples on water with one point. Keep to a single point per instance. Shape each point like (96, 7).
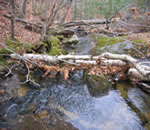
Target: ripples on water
(73, 102)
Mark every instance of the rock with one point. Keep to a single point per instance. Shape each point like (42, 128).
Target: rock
(118, 48)
(72, 40)
(98, 85)
(27, 122)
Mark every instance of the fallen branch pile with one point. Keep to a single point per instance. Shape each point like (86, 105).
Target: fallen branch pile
(139, 70)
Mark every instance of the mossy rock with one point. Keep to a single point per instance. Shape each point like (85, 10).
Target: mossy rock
(56, 49)
(98, 85)
(102, 41)
(43, 47)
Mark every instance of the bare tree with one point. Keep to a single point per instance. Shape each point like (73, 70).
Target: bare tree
(48, 11)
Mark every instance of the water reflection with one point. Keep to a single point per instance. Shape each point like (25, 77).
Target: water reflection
(73, 102)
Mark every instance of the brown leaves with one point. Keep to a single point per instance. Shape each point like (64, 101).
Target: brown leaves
(48, 69)
(66, 73)
(51, 71)
(2, 91)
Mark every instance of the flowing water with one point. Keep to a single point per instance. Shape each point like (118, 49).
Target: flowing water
(122, 107)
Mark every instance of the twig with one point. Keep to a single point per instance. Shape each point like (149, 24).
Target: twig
(27, 76)
(133, 48)
(24, 59)
(140, 53)
(10, 70)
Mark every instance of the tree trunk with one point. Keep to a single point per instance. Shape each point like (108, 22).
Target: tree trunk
(24, 6)
(13, 20)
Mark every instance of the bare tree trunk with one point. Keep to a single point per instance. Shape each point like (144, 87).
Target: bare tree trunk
(43, 35)
(75, 10)
(24, 6)
(13, 20)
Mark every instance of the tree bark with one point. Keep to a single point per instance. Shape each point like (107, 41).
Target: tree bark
(24, 6)
(13, 20)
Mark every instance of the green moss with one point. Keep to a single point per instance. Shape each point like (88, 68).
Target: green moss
(60, 37)
(55, 50)
(123, 87)
(15, 46)
(139, 41)
(53, 40)
(28, 46)
(55, 46)
(3, 64)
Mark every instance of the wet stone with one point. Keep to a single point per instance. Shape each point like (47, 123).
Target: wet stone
(98, 85)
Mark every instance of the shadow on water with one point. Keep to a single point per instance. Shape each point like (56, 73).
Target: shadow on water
(72, 102)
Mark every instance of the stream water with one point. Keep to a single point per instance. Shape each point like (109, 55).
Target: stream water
(69, 105)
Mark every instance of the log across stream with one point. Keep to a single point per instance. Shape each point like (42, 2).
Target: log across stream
(140, 70)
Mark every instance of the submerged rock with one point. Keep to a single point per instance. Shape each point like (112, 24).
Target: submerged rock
(98, 85)
(22, 91)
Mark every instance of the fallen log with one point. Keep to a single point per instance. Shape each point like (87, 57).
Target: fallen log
(86, 22)
(23, 21)
(142, 67)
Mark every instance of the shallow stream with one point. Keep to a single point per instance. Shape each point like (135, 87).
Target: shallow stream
(60, 104)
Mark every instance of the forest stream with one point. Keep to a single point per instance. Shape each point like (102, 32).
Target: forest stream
(73, 104)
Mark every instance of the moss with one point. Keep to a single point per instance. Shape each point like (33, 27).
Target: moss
(28, 47)
(123, 87)
(53, 40)
(3, 64)
(15, 46)
(139, 41)
(102, 41)
(55, 46)
(60, 37)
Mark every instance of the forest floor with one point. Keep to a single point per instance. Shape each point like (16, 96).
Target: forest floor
(21, 34)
